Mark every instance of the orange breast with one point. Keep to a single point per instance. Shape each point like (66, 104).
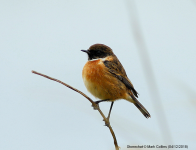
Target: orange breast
(101, 83)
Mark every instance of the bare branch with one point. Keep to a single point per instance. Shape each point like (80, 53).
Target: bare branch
(94, 105)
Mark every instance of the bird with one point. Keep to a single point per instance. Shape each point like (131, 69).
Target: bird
(106, 79)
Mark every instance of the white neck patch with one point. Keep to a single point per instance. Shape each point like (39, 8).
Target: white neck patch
(103, 59)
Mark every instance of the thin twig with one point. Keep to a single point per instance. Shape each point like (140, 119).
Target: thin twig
(94, 105)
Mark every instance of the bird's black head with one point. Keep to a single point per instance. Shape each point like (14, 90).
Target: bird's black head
(97, 51)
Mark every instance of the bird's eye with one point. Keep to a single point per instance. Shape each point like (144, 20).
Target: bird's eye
(98, 52)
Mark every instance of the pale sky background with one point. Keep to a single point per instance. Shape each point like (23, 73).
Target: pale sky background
(47, 36)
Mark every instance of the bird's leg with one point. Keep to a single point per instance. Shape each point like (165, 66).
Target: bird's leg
(110, 111)
(96, 105)
(97, 102)
(107, 123)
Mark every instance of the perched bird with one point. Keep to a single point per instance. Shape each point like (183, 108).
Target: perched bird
(106, 79)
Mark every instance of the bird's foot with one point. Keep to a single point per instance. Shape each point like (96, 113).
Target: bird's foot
(95, 106)
(107, 122)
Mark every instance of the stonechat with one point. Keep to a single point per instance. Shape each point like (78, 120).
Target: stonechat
(106, 79)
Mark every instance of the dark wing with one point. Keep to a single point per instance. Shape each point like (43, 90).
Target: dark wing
(117, 70)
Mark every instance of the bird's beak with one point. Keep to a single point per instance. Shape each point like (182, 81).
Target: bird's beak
(86, 51)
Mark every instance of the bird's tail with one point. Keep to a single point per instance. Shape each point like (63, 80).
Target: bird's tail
(140, 107)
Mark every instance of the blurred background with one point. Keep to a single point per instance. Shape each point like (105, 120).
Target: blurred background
(154, 40)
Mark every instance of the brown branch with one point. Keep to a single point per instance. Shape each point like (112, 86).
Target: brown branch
(94, 105)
